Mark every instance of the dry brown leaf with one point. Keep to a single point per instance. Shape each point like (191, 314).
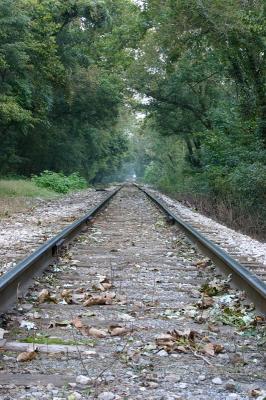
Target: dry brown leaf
(66, 294)
(27, 356)
(182, 349)
(106, 283)
(218, 348)
(187, 334)
(205, 302)
(165, 341)
(208, 349)
(97, 333)
(117, 330)
(77, 323)
(177, 340)
(54, 324)
(202, 263)
(45, 296)
(103, 284)
(103, 299)
(255, 392)
(98, 286)
(110, 296)
(94, 300)
(88, 330)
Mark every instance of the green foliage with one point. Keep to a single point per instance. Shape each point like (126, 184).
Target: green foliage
(200, 76)
(60, 93)
(59, 182)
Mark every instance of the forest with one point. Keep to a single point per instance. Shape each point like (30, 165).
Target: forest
(172, 92)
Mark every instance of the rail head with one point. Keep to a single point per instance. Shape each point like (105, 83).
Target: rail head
(241, 277)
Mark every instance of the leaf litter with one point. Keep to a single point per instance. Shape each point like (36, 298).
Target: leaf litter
(187, 341)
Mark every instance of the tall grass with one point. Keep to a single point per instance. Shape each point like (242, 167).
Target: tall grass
(23, 188)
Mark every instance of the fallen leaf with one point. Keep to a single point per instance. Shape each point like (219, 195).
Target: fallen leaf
(203, 263)
(208, 349)
(166, 341)
(182, 349)
(103, 299)
(205, 302)
(218, 348)
(117, 330)
(106, 283)
(27, 356)
(88, 330)
(188, 334)
(255, 392)
(54, 324)
(66, 295)
(98, 333)
(177, 340)
(94, 300)
(98, 286)
(45, 296)
(103, 284)
(77, 323)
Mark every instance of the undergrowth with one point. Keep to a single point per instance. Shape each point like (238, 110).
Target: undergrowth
(59, 182)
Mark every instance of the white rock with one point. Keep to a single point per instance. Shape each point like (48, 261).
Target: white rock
(72, 384)
(27, 324)
(217, 381)
(232, 396)
(162, 353)
(153, 385)
(170, 254)
(84, 380)
(202, 378)
(183, 385)
(50, 386)
(106, 396)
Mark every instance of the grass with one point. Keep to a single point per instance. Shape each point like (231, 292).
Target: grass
(23, 188)
(18, 195)
(58, 341)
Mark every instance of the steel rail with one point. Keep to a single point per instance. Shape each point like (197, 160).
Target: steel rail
(14, 283)
(241, 277)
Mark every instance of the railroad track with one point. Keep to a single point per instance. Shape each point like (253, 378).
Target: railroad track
(94, 316)
(247, 260)
(242, 275)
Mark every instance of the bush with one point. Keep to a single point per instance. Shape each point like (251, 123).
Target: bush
(59, 182)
